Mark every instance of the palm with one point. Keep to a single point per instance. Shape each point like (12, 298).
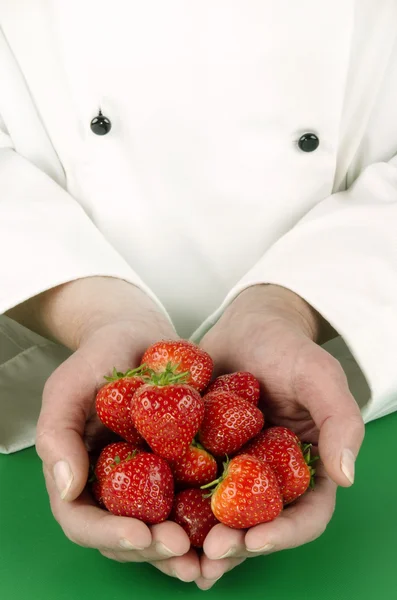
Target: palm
(303, 388)
(284, 394)
(69, 410)
(281, 359)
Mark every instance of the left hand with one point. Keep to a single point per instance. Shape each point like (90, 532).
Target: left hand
(272, 332)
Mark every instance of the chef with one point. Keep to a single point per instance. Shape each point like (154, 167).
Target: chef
(223, 171)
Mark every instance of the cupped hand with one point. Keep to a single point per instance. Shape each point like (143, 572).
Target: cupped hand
(68, 427)
(271, 332)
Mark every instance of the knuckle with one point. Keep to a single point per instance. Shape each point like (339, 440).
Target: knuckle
(44, 442)
(66, 527)
(111, 555)
(318, 532)
(56, 513)
(66, 523)
(357, 425)
(71, 535)
(51, 385)
(327, 365)
(323, 522)
(356, 421)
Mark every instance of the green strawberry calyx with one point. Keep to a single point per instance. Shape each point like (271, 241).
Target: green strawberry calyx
(169, 376)
(117, 460)
(197, 445)
(216, 483)
(92, 478)
(309, 460)
(138, 372)
(130, 456)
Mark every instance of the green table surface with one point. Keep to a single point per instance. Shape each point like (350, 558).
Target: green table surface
(356, 558)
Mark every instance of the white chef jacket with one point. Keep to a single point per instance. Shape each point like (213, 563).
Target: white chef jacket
(200, 188)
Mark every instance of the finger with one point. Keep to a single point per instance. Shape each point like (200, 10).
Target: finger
(169, 539)
(123, 556)
(336, 414)
(212, 570)
(87, 525)
(67, 399)
(298, 524)
(186, 568)
(223, 542)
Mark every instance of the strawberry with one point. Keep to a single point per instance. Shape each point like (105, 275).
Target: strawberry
(195, 468)
(167, 414)
(113, 403)
(282, 432)
(108, 459)
(96, 490)
(111, 456)
(192, 511)
(141, 487)
(229, 422)
(180, 356)
(241, 383)
(280, 448)
(247, 494)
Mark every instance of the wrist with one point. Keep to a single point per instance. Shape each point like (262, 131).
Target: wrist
(281, 304)
(72, 312)
(121, 303)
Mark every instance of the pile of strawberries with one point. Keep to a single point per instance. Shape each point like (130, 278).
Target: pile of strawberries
(184, 435)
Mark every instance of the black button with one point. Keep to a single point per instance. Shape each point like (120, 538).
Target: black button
(101, 125)
(308, 142)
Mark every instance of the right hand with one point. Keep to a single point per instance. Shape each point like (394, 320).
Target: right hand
(68, 426)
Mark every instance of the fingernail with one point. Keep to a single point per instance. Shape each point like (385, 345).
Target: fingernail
(161, 549)
(347, 464)
(63, 477)
(265, 548)
(230, 552)
(126, 544)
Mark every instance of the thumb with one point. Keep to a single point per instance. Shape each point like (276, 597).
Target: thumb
(67, 400)
(338, 419)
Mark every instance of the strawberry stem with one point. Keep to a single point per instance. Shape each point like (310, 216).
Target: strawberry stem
(197, 444)
(167, 377)
(116, 375)
(214, 484)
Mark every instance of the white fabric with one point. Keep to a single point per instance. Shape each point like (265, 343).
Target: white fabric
(25, 363)
(200, 188)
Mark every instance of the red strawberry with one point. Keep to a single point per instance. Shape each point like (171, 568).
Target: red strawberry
(192, 511)
(168, 416)
(282, 432)
(248, 493)
(195, 468)
(108, 459)
(280, 448)
(180, 356)
(241, 383)
(96, 489)
(141, 487)
(229, 422)
(113, 404)
(111, 456)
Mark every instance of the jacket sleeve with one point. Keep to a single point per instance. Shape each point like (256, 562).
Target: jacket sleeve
(342, 259)
(46, 238)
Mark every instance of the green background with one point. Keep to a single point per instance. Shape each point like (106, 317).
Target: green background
(355, 558)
